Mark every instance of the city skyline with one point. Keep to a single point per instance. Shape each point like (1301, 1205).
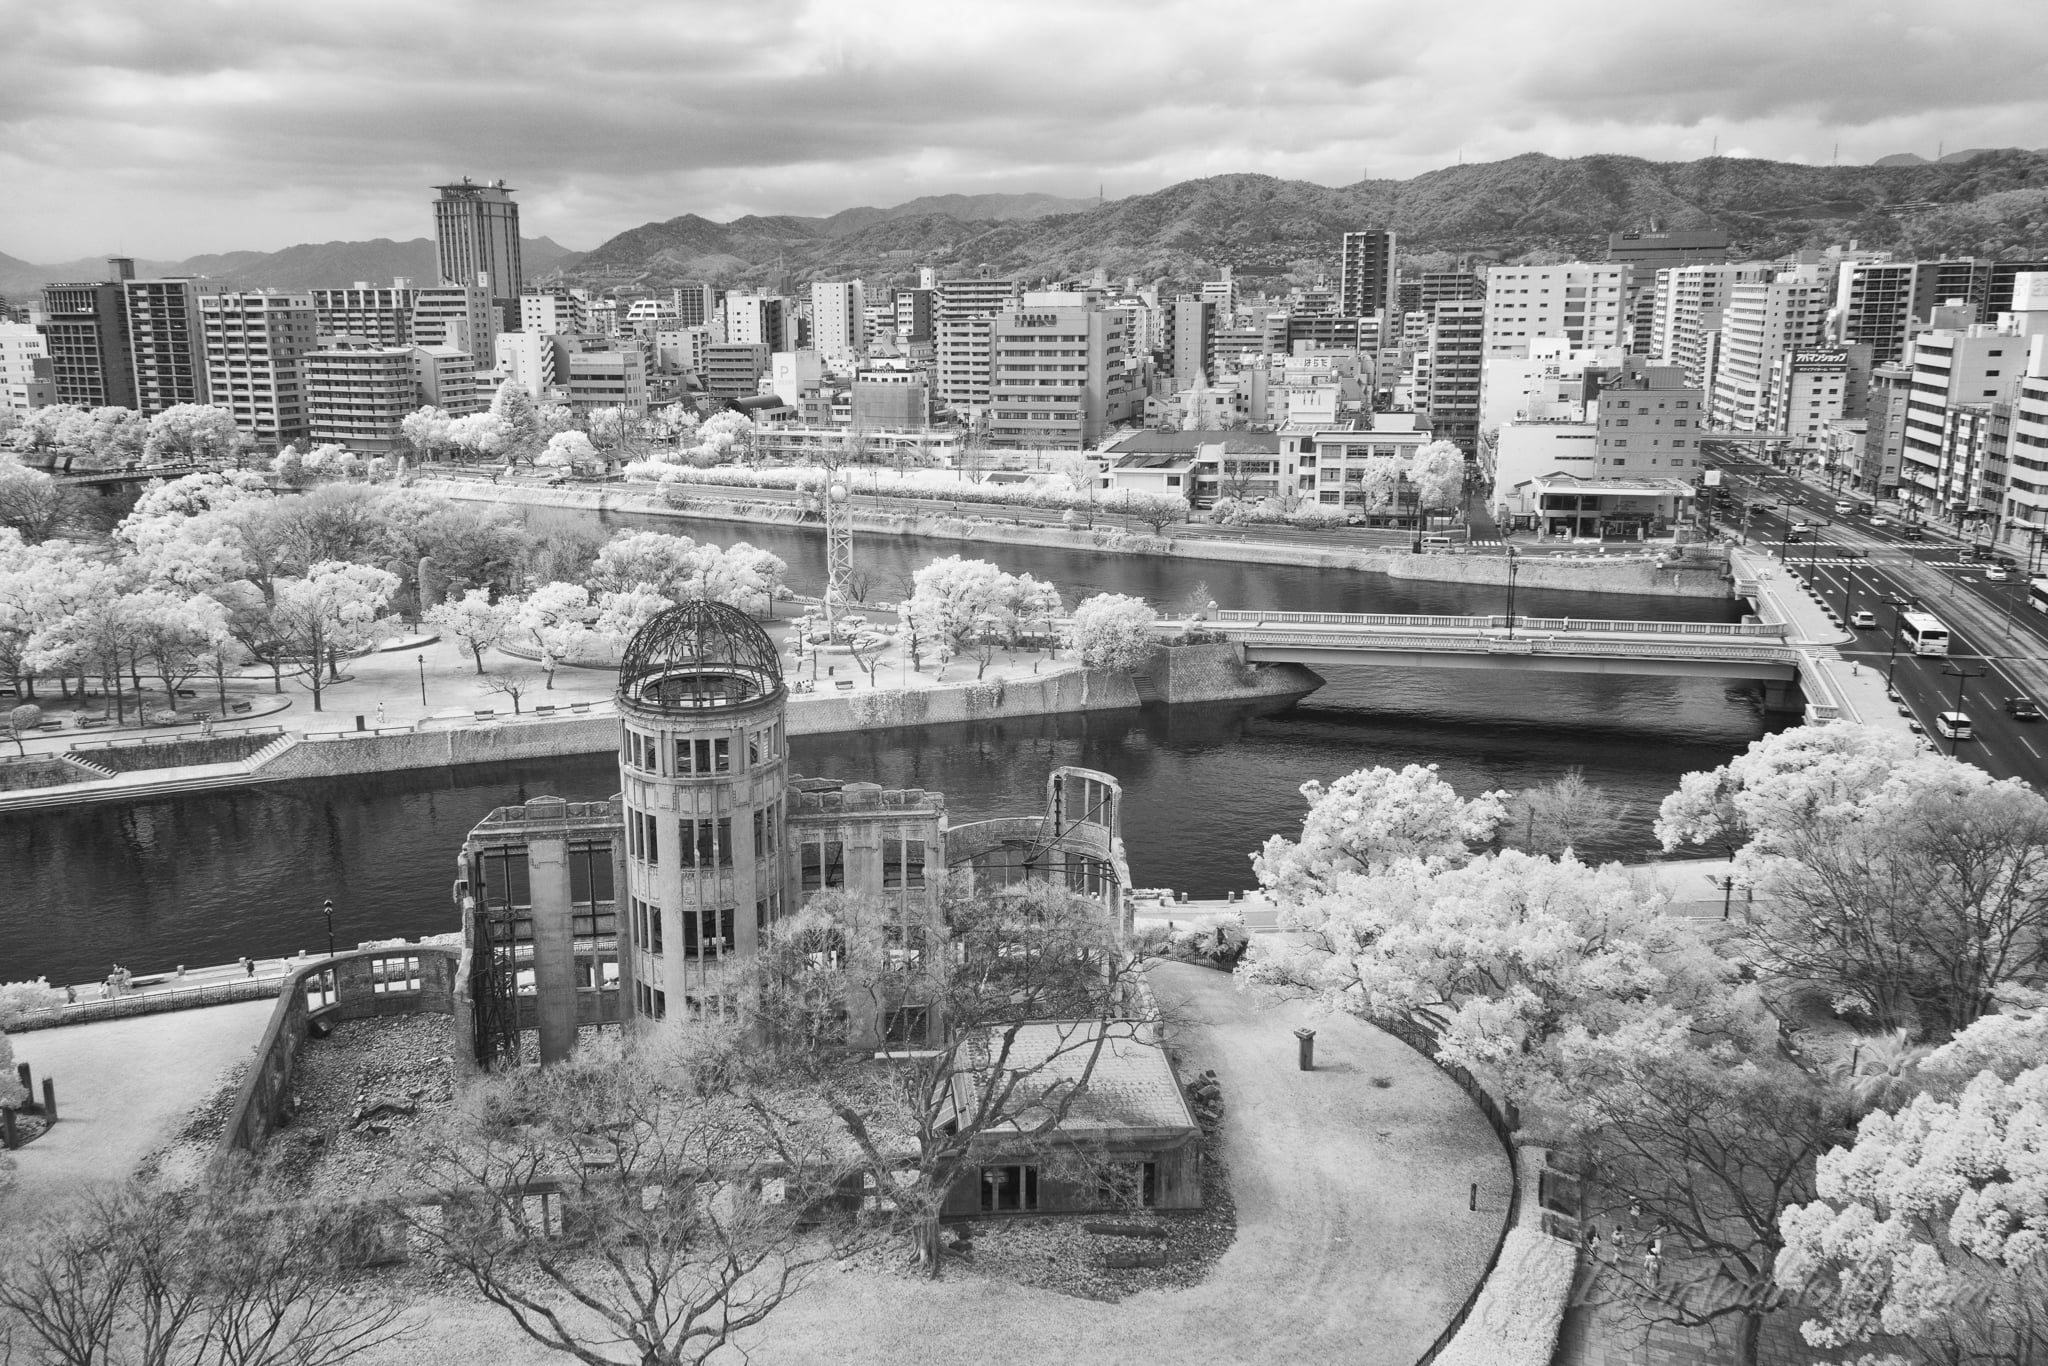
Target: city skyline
(131, 131)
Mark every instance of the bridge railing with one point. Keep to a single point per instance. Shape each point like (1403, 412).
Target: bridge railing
(1531, 644)
(1577, 625)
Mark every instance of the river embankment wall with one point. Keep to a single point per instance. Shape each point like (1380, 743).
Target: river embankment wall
(1648, 574)
(1178, 674)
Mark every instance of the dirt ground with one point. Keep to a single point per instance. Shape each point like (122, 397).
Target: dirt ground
(1354, 1242)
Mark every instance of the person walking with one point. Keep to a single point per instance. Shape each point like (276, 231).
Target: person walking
(380, 716)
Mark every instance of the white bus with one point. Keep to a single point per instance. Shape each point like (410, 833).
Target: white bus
(1923, 634)
(2037, 595)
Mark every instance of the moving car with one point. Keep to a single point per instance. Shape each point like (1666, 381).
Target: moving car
(1802, 528)
(1863, 621)
(1998, 573)
(2022, 709)
(1879, 519)
(1954, 725)
(1914, 533)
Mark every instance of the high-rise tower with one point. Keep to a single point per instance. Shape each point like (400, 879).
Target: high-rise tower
(1368, 279)
(477, 230)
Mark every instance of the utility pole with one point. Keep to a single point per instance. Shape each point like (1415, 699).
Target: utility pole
(1891, 665)
(1962, 677)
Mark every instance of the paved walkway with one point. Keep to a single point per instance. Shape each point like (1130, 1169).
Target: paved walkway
(124, 1088)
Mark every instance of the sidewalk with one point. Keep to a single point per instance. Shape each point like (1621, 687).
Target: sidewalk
(1783, 597)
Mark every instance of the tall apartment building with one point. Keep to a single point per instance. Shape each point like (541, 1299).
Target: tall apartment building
(1191, 326)
(476, 230)
(554, 311)
(1647, 253)
(1578, 300)
(1062, 375)
(1687, 304)
(839, 322)
(963, 336)
(379, 315)
(694, 304)
(85, 334)
(1884, 437)
(358, 393)
(758, 319)
(1764, 321)
(256, 343)
(734, 369)
(532, 360)
(1951, 368)
(975, 298)
(2026, 490)
(164, 342)
(1368, 275)
(1813, 389)
(1457, 353)
(1433, 287)
(25, 378)
(1882, 303)
(913, 316)
(461, 316)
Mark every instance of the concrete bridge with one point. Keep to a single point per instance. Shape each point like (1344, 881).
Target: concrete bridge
(107, 480)
(1537, 644)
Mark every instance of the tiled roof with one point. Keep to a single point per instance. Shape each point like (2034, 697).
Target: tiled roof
(1131, 1085)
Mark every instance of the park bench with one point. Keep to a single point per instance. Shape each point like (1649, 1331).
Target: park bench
(88, 722)
(51, 725)
(547, 709)
(187, 692)
(580, 708)
(486, 713)
(240, 707)
(845, 684)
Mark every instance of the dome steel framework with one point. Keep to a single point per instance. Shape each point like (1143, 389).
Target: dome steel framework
(698, 655)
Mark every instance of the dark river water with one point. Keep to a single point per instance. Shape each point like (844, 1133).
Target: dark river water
(209, 877)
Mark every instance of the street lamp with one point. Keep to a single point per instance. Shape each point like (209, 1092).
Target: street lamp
(423, 680)
(1898, 606)
(1962, 677)
(1514, 565)
(327, 909)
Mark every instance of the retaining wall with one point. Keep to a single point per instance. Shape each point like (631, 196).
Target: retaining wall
(1593, 574)
(488, 742)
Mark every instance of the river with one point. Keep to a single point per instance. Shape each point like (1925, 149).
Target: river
(211, 876)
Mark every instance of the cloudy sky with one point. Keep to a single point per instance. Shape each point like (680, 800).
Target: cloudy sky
(164, 128)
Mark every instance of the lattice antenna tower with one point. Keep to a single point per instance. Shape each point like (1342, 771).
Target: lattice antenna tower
(838, 548)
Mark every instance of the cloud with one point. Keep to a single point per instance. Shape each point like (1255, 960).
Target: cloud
(200, 125)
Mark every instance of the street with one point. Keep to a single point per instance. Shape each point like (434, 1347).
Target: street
(1998, 646)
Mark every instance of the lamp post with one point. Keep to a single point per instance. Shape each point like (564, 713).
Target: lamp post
(1514, 565)
(1962, 677)
(1891, 664)
(423, 680)
(327, 909)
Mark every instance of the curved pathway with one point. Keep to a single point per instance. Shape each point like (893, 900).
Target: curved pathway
(1354, 1241)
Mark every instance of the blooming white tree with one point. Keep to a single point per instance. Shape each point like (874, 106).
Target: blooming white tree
(1379, 477)
(1908, 886)
(427, 431)
(31, 502)
(193, 431)
(1438, 473)
(173, 633)
(726, 438)
(474, 620)
(622, 612)
(1369, 821)
(569, 451)
(118, 434)
(1932, 1227)
(555, 618)
(953, 601)
(479, 435)
(649, 559)
(521, 437)
(1112, 631)
(332, 610)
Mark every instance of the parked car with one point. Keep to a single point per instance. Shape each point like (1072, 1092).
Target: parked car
(2022, 709)
(1863, 621)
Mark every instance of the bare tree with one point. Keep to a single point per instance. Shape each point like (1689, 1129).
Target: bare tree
(218, 1276)
(513, 686)
(1693, 1160)
(1562, 814)
(632, 1201)
(990, 1024)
